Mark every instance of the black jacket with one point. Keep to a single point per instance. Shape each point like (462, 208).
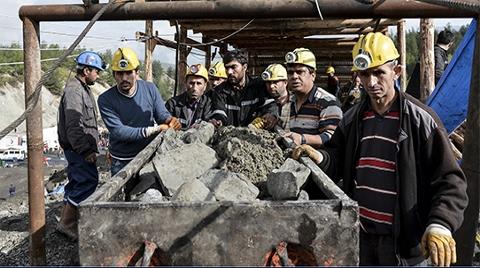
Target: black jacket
(441, 61)
(77, 119)
(177, 106)
(240, 107)
(431, 186)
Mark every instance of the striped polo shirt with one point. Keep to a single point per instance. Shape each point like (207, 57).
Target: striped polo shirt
(318, 115)
(376, 191)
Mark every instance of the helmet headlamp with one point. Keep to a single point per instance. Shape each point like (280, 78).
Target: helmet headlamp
(362, 61)
(291, 57)
(266, 75)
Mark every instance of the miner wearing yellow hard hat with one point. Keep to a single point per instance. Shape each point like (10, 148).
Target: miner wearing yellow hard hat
(333, 84)
(216, 74)
(192, 106)
(314, 113)
(275, 77)
(242, 98)
(395, 159)
(133, 110)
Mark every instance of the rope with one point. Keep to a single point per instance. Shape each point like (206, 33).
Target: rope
(221, 39)
(318, 9)
(33, 99)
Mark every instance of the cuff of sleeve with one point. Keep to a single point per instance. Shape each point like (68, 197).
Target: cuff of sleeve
(438, 228)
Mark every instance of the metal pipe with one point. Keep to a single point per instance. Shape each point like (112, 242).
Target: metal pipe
(465, 236)
(246, 9)
(36, 202)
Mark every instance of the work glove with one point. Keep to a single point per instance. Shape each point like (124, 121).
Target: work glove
(439, 245)
(91, 158)
(307, 150)
(149, 131)
(174, 123)
(257, 123)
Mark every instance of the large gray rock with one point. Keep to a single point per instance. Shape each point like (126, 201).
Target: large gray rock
(170, 141)
(202, 133)
(229, 186)
(151, 196)
(147, 180)
(285, 182)
(191, 191)
(183, 163)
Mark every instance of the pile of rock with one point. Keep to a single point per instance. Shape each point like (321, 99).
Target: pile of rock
(233, 164)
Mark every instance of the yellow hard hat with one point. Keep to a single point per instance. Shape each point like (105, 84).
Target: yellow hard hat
(218, 70)
(330, 70)
(301, 56)
(125, 59)
(197, 70)
(372, 50)
(274, 72)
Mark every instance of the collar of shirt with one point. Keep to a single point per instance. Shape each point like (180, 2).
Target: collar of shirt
(395, 107)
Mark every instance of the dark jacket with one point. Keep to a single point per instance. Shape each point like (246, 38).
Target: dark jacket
(178, 107)
(77, 119)
(431, 185)
(240, 107)
(441, 61)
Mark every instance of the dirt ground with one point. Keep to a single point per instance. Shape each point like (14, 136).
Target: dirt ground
(14, 223)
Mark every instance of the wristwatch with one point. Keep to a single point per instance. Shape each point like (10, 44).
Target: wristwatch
(304, 140)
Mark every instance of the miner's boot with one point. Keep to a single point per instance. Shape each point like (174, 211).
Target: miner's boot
(68, 222)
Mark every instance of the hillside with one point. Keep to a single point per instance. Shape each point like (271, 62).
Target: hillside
(12, 101)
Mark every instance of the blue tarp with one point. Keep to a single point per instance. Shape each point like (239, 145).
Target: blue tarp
(450, 97)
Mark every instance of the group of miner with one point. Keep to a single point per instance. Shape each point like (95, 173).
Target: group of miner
(387, 150)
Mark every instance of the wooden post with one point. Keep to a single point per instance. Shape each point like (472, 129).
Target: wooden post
(427, 61)
(208, 52)
(403, 53)
(149, 47)
(182, 62)
(465, 236)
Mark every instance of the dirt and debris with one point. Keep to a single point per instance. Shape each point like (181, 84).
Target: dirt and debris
(252, 152)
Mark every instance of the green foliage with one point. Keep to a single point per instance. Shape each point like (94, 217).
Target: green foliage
(412, 40)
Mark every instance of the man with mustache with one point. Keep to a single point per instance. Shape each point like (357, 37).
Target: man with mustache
(314, 113)
(241, 98)
(395, 159)
(193, 105)
(133, 110)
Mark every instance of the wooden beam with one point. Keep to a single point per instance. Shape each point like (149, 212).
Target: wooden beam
(280, 24)
(208, 52)
(427, 61)
(285, 33)
(149, 47)
(401, 39)
(182, 63)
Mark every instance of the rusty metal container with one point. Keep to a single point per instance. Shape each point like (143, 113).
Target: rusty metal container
(115, 232)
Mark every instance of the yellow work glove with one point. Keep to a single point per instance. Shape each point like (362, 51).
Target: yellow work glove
(439, 245)
(174, 123)
(257, 123)
(307, 150)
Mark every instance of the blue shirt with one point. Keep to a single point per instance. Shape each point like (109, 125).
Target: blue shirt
(126, 117)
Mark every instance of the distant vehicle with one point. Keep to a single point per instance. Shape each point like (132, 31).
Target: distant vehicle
(13, 154)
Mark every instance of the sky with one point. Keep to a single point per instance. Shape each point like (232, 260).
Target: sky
(109, 35)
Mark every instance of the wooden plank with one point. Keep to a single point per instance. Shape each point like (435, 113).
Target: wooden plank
(113, 187)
